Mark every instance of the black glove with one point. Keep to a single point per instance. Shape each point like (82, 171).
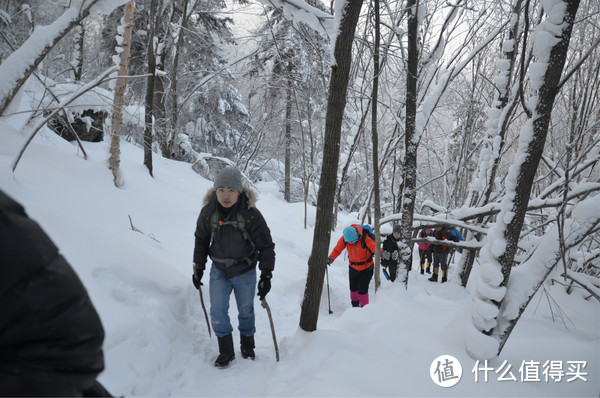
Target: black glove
(197, 277)
(264, 284)
(330, 260)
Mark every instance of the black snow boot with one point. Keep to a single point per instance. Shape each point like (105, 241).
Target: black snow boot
(247, 347)
(355, 303)
(434, 277)
(226, 353)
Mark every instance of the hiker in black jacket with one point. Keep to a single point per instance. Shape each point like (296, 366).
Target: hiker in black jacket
(390, 253)
(50, 334)
(233, 233)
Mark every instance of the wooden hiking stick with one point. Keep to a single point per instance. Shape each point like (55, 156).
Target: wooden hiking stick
(265, 305)
(204, 309)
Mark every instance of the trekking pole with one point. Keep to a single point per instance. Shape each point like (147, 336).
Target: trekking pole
(204, 309)
(265, 305)
(385, 273)
(328, 299)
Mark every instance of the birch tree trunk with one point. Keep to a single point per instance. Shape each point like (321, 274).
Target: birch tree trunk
(336, 102)
(120, 88)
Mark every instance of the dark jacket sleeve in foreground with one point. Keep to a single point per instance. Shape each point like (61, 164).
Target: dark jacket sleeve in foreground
(202, 236)
(261, 236)
(50, 334)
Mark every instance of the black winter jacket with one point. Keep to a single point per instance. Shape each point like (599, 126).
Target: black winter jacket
(390, 245)
(50, 334)
(228, 242)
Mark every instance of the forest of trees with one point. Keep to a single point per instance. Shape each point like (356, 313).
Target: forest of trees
(482, 114)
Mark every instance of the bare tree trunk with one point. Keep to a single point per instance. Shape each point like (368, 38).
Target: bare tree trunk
(535, 147)
(121, 85)
(491, 145)
(374, 102)
(288, 133)
(336, 103)
(521, 176)
(77, 58)
(575, 238)
(149, 102)
(159, 108)
(410, 158)
(173, 77)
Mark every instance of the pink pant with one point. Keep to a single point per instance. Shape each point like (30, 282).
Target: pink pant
(363, 299)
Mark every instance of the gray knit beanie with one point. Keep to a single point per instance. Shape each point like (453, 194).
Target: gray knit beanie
(397, 228)
(229, 177)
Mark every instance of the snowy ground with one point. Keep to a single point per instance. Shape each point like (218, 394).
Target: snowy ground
(157, 343)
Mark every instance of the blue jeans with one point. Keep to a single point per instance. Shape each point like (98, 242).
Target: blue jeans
(244, 289)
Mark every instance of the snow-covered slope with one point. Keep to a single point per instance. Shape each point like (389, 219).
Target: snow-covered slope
(157, 343)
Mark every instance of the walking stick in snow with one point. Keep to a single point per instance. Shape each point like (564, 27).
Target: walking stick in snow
(204, 309)
(328, 299)
(265, 305)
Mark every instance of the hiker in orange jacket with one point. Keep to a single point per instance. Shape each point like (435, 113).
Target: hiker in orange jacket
(360, 247)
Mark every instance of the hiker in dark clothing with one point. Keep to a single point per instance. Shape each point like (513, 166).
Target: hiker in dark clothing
(390, 254)
(50, 334)
(440, 254)
(233, 233)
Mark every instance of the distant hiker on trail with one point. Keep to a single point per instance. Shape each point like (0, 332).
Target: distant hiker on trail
(456, 236)
(361, 247)
(424, 250)
(233, 233)
(390, 254)
(50, 333)
(440, 254)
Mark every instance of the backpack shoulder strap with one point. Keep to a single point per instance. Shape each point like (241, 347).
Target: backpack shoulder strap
(214, 221)
(363, 242)
(239, 223)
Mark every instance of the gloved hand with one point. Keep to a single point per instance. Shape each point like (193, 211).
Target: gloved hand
(264, 284)
(395, 255)
(330, 260)
(197, 277)
(385, 254)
